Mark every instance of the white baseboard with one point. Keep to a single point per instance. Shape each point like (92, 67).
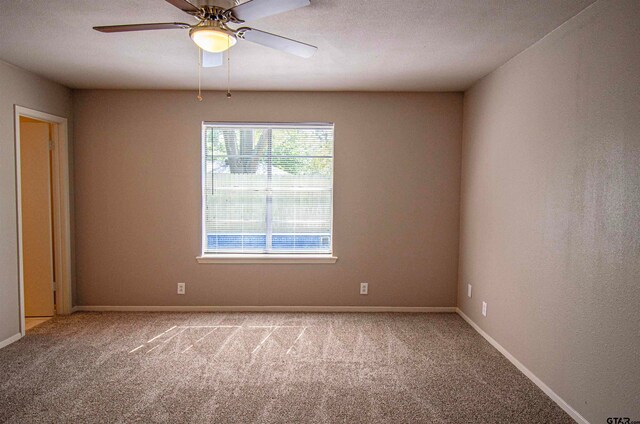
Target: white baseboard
(10, 340)
(451, 309)
(557, 399)
(74, 309)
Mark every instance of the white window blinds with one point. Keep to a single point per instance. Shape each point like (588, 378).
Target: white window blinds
(267, 188)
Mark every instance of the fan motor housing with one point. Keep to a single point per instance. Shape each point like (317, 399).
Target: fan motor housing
(217, 14)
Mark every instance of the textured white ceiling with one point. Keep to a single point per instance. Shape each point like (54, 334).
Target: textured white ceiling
(364, 45)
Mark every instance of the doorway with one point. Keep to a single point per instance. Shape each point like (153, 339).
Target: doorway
(38, 252)
(42, 192)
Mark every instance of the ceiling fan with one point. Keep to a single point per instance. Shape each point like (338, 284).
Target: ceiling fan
(213, 35)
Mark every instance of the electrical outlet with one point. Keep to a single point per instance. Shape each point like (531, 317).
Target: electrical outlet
(468, 290)
(364, 288)
(484, 308)
(181, 288)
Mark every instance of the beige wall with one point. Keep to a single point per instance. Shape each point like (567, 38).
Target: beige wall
(550, 233)
(397, 166)
(24, 89)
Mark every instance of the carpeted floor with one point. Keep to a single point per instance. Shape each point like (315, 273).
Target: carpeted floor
(265, 368)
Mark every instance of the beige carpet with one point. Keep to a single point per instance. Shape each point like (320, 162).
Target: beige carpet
(264, 368)
(30, 323)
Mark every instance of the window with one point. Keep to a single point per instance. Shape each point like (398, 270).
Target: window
(267, 189)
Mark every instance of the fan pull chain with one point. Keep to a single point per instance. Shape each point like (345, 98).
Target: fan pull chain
(228, 68)
(199, 97)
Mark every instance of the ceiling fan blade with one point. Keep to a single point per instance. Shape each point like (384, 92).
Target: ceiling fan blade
(185, 6)
(256, 9)
(276, 42)
(210, 60)
(141, 27)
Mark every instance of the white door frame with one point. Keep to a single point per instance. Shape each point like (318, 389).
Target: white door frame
(61, 211)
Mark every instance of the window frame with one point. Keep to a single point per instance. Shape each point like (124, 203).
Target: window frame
(266, 257)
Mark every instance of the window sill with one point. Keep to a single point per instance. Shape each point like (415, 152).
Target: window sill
(266, 259)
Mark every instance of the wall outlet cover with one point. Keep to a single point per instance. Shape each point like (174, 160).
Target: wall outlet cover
(181, 288)
(364, 288)
(484, 309)
(468, 290)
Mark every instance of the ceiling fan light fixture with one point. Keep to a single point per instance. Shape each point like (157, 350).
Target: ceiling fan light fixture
(212, 39)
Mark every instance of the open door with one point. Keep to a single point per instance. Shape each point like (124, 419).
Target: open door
(37, 237)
